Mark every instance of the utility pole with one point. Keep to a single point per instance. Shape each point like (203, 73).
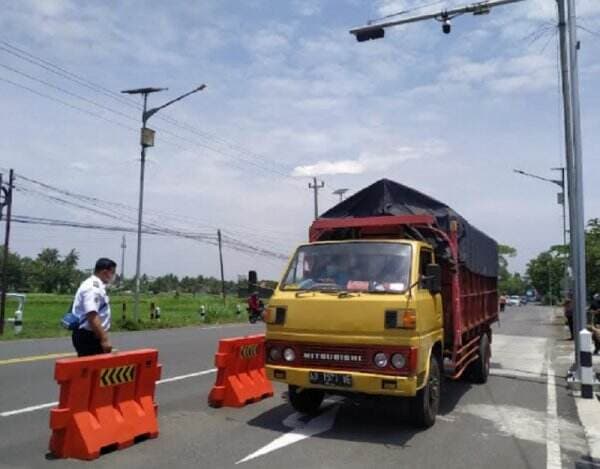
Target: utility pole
(147, 140)
(569, 155)
(578, 221)
(7, 193)
(569, 46)
(315, 187)
(221, 262)
(123, 247)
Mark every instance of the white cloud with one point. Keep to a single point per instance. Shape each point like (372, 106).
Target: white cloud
(526, 73)
(370, 162)
(307, 7)
(292, 85)
(324, 168)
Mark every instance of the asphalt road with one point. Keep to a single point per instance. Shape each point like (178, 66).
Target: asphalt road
(522, 418)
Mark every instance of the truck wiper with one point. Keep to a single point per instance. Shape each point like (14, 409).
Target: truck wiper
(345, 294)
(299, 293)
(382, 292)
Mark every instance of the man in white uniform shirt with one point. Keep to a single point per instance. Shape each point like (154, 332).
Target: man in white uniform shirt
(92, 307)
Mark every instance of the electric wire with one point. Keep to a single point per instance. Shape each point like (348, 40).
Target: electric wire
(63, 73)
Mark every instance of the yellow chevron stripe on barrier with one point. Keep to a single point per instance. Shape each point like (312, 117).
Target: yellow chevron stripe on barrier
(249, 351)
(118, 375)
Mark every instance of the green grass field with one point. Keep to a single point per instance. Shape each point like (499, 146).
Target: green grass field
(43, 313)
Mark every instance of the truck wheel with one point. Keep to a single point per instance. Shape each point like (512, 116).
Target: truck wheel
(305, 401)
(426, 403)
(479, 370)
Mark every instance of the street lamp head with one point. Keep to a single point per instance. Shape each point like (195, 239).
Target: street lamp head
(147, 90)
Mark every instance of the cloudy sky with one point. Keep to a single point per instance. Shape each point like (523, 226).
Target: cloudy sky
(290, 95)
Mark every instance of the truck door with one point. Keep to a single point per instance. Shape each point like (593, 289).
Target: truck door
(431, 303)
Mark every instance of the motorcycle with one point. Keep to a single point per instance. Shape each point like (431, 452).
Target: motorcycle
(255, 313)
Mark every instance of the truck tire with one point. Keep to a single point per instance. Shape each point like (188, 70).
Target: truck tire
(305, 401)
(425, 405)
(479, 370)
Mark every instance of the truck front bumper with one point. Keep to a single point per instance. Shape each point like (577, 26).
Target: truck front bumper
(365, 383)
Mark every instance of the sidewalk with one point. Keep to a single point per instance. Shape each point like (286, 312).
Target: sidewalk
(588, 410)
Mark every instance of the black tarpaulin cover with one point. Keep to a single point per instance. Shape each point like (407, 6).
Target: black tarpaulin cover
(477, 251)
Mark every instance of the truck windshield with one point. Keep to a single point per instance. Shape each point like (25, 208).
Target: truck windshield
(367, 267)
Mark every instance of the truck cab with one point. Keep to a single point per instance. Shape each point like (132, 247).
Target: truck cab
(362, 316)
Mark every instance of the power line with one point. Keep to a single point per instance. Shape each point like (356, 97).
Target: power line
(592, 32)
(49, 66)
(114, 122)
(404, 12)
(65, 103)
(103, 208)
(201, 237)
(128, 212)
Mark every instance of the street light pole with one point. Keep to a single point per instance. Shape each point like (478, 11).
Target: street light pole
(578, 221)
(147, 140)
(569, 62)
(340, 192)
(561, 199)
(569, 151)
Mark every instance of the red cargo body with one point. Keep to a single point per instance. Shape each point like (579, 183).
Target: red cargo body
(470, 300)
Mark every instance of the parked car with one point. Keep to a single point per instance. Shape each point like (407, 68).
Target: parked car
(514, 300)
(524, 300)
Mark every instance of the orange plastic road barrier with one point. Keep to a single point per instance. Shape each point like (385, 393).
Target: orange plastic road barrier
(241, 377)
(106, 402)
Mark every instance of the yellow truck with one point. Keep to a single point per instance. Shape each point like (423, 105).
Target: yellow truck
(393, 292)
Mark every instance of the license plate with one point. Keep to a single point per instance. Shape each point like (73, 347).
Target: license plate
(330, 379)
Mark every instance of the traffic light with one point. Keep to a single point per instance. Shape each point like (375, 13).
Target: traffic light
(369, 34)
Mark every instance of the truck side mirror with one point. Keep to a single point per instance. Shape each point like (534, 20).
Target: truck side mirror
(433, 278)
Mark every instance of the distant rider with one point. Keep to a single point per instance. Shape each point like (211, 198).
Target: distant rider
(255, 307)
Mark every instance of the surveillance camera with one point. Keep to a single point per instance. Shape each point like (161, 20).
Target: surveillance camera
(446, 26)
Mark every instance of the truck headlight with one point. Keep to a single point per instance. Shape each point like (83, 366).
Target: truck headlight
(380, 359)
(289, 355)
(398, 361)
(274, 354)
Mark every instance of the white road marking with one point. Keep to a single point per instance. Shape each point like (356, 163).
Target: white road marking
(302, 430)
(553, 457)
(28, 409)
(190, 375)
(25, 410)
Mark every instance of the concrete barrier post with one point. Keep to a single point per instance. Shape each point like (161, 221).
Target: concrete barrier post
(585, 358)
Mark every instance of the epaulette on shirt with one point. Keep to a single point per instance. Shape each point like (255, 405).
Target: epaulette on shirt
(96, 284)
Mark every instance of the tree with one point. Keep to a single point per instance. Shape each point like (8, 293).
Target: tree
(16, 275)
(547, 271)
(508, 284)
(50, 274)
(592, 250)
